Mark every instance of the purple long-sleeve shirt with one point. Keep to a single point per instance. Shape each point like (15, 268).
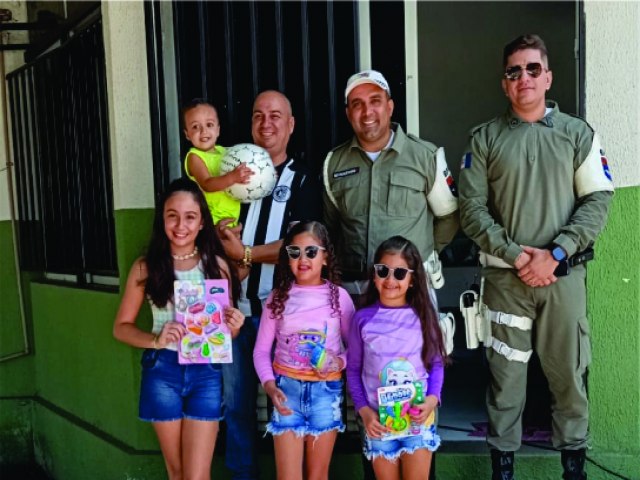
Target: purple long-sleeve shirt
(385, 347)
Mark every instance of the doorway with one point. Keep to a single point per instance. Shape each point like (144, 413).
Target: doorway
(460, 65)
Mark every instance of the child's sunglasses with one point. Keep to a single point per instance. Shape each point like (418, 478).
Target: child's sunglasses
(534, 70)
(310, 251)
(399, 273)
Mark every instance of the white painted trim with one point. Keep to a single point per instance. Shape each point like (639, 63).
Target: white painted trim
(364, 34)
(411, 66)
(128, 97)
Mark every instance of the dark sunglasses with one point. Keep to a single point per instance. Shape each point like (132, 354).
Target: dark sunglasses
(534, 70)
(399, 273)
(310, 251)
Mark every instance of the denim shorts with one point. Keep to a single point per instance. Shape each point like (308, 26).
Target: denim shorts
(170, 391)
(392, 449)
(316, 407)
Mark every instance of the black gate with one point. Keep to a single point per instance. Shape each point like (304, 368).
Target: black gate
(58, 106)
(228, 52)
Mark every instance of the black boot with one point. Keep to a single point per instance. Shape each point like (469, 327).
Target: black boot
(573, 464)
(501, 465)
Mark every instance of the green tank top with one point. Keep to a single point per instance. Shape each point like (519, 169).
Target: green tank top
(221, 205)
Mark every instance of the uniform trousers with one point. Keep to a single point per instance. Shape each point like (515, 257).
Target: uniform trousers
(560, 336)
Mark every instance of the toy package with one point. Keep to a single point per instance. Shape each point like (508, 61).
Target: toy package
(395, 404)
(199, 306)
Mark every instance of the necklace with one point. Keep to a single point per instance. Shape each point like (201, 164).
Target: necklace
(187, 256)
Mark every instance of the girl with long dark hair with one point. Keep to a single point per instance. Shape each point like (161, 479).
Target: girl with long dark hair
(396, 340)
(184, 402)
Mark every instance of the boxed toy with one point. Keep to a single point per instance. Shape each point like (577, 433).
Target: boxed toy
(395, 404)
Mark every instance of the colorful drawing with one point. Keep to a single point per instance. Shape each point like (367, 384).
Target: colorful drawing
(306, 346)
(200, 307)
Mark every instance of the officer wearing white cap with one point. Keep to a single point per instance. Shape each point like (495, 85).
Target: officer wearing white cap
(384, 182)
(368, 76)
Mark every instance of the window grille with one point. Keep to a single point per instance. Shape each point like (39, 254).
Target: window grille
(58, 108)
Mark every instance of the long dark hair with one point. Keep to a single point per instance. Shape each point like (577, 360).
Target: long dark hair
(159, 283)
(285, 278)
(418, 297)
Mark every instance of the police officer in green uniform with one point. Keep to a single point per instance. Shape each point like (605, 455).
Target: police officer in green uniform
(384, 182)
(381, 183)
(535, 189)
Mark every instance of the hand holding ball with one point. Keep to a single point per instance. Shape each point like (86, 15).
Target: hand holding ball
(264, 177)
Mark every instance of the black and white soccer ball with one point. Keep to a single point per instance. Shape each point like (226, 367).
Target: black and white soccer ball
(264, 176)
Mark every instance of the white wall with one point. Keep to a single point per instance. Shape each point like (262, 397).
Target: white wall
(129, 118)
(613, 84)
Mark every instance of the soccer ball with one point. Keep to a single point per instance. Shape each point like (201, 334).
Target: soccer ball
(264, 176)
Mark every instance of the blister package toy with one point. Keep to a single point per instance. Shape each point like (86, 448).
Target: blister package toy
(396, 404)
(199, 306)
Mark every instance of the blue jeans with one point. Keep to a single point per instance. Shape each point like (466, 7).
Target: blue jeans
(392, 449)
(316, 407)
(171, 391)
(240, 389)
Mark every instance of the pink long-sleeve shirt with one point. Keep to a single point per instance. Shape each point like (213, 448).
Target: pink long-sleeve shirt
(307, 314)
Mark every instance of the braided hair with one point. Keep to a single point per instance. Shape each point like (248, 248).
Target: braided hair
(284, 276)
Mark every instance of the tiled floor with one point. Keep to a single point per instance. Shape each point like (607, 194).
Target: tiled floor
(463, 397)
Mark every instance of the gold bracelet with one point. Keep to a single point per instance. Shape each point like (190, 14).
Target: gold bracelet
(154, 344)
(246, 260)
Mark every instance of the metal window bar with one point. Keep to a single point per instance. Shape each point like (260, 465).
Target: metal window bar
(61, 151)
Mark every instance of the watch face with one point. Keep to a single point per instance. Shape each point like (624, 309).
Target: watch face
(558, 254)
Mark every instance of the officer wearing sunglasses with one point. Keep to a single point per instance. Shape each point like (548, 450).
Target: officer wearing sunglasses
(535, 188)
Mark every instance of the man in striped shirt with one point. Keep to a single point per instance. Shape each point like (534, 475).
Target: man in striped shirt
(296, 196)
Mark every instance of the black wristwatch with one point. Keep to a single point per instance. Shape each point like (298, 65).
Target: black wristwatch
(558, 253)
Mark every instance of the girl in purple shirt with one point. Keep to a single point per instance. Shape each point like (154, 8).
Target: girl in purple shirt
(396, 341)
(307, 316)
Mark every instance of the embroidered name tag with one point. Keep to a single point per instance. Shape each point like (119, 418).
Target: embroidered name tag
(346, 173)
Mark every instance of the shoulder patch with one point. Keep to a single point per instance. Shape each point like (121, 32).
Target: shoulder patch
(594, 175)
(466, 160)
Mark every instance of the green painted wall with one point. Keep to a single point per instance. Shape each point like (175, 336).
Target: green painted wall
(16, 431)
(79, 366)
(16, 375)
(614, 311)
(11, 340)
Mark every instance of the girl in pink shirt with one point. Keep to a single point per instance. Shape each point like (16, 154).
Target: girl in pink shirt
(307, 316)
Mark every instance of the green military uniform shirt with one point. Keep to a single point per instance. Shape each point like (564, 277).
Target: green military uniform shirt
(404, 192)
(534, 184)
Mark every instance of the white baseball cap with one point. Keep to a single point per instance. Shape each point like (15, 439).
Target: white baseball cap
(366, 76)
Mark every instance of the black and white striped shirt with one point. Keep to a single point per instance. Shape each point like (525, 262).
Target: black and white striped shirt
(297, 196)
